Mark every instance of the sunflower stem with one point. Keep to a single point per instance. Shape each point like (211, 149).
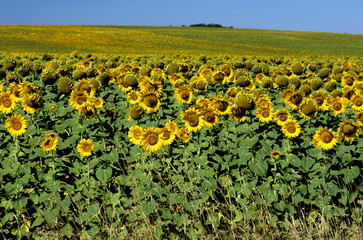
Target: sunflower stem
(16, 148)
(53, 160)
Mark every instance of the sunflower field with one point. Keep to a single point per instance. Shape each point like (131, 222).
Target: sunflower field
(180, 147)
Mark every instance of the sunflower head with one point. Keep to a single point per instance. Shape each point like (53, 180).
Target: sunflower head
(134, 134)
(291, 129)
(282, 81)
(191, 119)
(330, 86)
(49, 76)
(308, 109)
(298, 68)
(135, 112)
(325, 138)
(151, 140)
(348, 130)
(306, 89)
(16, 125)
(264, 114)
(267, 82)
(65, 85)
(79, 74)
(238, 114)
(245, 101)
(87, 111)
(275, 154)
(295, 81)
(336, 105)
(184, 94)
(172, 68)
(316, 83)
(85, 147)
(104, 78)
(183, 135)
(210, 118)
(243, 81)
(281, 116)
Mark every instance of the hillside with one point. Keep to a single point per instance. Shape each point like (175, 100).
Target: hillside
(174, 40)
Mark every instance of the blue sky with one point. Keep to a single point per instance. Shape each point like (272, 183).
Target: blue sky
(303, 15)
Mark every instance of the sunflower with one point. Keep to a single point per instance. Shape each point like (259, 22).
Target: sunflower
(150, 102)
(291, 129)
(78, 99)
(52, 136)
(275, 154)
(167, 136)
(151, 140)
(16, 125)
(238, 114)
(152, 84)
(356, 102)
(203, 103)
(28, 88)
(220, 104)
(359, 118)
(321, 99)
(349, 92)
(184, 94)
(97, 102)
(31, 103)
(192, 120)
(134, 134)
(281, 116)
(295, 99)
(209, 117)
(171, 126)
(134, 97)
(325, 138)
(135, 112)
(348, 79)
(264, 114)
(308, 109)
(336, 105)
(7, 102)
(85, 147)
(245, 101)
(217, 77)
(183, 135)
(348, 130)
(86, 86)
(49, 144)
(264, 101)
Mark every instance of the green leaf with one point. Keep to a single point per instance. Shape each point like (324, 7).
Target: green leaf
(307, 162)
(20, 203)
(39, 220)
(104, 174)
(244, 157)
(259, 167)
(331, 188)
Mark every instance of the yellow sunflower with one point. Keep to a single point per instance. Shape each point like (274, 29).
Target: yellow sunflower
(308, 109)
(184, 94)
(49, 144)
(134, 134)
(134, 97)
(264, 114)
(203, 103)
(85, 147)
(86, 86)
(7, 102)
(183, 135)
(356, 102)
(321, 99)
(150, 102)
(16, 125)
(152, 84)
(87, 111)
(337, 105)
(14, 89)
(325, 138)
(359, 118)
(295, 99)
(31, 103)
(167, 136)
(78, 99)
(281, 116)
(291, 129)
(97, 102)
(192, 120)
(151, 140)
(171, 126)
(209, 117)
(275, 154)
(348, 130)
(221, 105)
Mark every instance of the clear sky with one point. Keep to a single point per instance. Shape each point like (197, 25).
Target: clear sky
(340, 16)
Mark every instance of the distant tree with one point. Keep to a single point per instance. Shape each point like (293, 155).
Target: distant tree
(213, 25)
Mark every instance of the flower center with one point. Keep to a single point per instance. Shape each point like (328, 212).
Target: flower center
(193, 120)
(283, 117)
(17, 126)
(326, 137)
(291, 129)
(152, 139)
(349, 129)
(151, 101)
(358, 102)
(265, 114)
(7, 102)
(337, 106)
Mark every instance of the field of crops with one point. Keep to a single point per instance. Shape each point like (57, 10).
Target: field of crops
(180, 146)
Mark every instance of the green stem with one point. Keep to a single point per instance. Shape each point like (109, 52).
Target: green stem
(53, 160)
(16, 140)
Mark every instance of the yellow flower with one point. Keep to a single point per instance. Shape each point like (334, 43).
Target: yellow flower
(238, 114)
(50, 142)
(264, 114)
(220, 104)
(171, 126)
(16, 125)
(85, 85)
(167, 136)
(325, 138)
(359, 118)
(150, 102)
(7, 102)
(281, 116)
(191, 120)
(356, 102)
(183, 135)
(135, 112)
(151, 140)
(134, 134)
(275, 154)
(79, 99)
(97, 102)
(85, 147)
(184, 94)
(348, 130)
(308, 109)
(133, 97)
(337, 105)
(209, 117)
(291, 129)
(31, 103)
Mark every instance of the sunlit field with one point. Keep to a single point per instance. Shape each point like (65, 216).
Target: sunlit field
(179, 133)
